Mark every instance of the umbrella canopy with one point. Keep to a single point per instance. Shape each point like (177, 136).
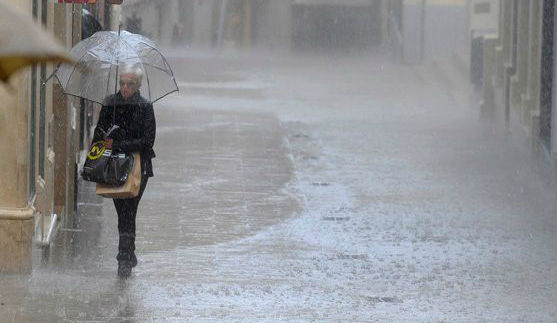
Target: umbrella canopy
(23, 42)
(94, 76)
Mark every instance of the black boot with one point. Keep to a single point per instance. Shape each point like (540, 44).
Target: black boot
(124, 257)
(132, 248)
(124, 268)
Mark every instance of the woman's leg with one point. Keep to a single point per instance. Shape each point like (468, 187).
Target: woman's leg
(127, 210)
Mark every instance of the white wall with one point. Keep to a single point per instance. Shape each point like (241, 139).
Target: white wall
(445, 27)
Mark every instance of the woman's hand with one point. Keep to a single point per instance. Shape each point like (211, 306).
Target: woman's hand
(108, 143)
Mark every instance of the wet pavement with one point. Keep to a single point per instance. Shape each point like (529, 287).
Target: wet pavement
(313, 189)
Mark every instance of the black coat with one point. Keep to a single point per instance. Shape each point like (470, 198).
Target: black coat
(137, 131)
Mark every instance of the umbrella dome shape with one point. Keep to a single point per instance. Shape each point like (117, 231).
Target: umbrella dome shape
(98, 58)
(23, 42)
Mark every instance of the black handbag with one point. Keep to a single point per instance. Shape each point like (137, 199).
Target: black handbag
(106, 167)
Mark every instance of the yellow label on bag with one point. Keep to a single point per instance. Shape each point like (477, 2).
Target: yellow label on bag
(96, 151)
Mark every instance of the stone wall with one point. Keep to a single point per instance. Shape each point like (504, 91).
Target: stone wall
(512, 63)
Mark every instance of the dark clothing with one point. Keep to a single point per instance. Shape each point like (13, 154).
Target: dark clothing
(137, 131)
(127, 210)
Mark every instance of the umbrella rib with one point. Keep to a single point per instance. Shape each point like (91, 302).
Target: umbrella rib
(77, 96)
(132, 48)
(148, 83)
(170, 69)
(151, 46)
(89, 83)
(165, 71)
(175, 90)
(74, 67)
(156, 67)
(171, 74)
(108, 81)
(126, 48)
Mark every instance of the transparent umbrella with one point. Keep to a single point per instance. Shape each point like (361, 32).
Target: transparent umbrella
(94, 76)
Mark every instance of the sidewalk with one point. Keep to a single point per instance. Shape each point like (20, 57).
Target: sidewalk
(344, 190)
(219, 177)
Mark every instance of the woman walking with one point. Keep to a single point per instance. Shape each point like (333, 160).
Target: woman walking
(132, 121)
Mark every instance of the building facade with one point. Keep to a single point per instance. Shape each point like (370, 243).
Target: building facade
(258, 24)
(42, 131)
(518, 71)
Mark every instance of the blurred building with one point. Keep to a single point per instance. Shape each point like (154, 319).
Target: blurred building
(266, 24)
(425, 30)
(43, 133)
(508, 47)
(516, 68)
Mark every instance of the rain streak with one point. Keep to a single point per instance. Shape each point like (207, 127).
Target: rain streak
(278, 161)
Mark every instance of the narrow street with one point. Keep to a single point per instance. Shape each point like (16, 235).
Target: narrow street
(313, 188)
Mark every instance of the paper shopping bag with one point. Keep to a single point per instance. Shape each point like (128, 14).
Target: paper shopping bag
(130, 189)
